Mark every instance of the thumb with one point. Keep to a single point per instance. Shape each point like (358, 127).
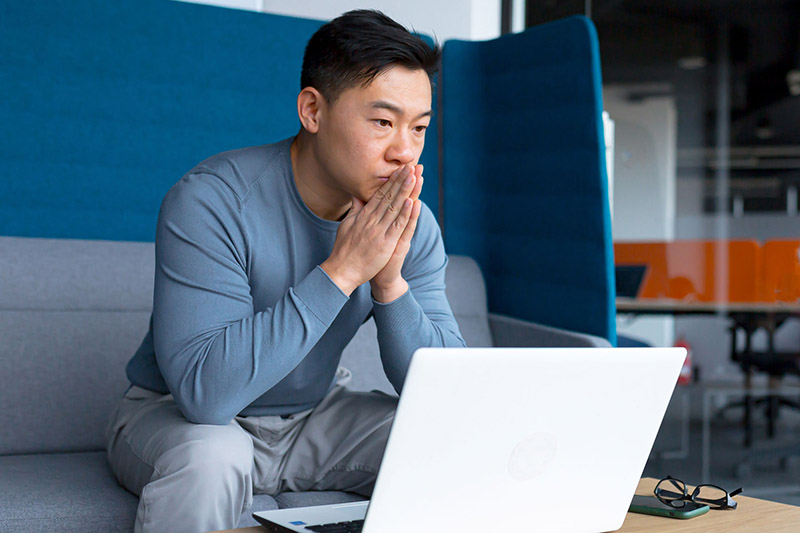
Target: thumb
(418, 185)
(357, 206)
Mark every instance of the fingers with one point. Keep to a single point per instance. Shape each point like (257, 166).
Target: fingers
(418, 183)
(386, 190)
(410, 227)
(357, 206)
(392, 203)
(395, 203)
(399, 224)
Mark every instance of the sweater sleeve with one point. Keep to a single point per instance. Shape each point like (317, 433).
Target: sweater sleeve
(216, 354)
(422, 316)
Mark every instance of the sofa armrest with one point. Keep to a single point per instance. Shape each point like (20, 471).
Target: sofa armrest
(511, 332)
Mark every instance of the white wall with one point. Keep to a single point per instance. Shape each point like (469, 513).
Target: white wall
(644, 165)
(761, 226)
(608, 134)
(645, 141)
(250, 5)
(445, 19)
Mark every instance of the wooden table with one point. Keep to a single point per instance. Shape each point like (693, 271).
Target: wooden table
(751, 515)
(642, 306)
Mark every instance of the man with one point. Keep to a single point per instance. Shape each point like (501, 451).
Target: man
(268, 260)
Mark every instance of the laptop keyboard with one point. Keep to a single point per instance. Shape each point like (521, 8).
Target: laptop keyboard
(353, 526)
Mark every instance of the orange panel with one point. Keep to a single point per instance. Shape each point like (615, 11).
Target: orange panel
(688, 270)
(781, 262)
(690, 267)
(745, 271)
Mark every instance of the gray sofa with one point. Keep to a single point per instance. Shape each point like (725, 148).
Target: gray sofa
(72, 312)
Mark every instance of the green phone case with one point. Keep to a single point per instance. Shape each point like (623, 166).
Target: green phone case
(669, 513)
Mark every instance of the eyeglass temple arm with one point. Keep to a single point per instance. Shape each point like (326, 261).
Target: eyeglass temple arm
(734, 493)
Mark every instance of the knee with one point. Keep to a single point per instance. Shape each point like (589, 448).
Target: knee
(215, 452)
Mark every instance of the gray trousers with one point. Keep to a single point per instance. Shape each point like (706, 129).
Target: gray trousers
(198, 477)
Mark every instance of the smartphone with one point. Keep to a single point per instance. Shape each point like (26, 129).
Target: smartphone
(652, 505)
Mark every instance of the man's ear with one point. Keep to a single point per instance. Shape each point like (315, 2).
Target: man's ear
(310, 105)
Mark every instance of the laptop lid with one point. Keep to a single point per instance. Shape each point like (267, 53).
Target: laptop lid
(516, 439)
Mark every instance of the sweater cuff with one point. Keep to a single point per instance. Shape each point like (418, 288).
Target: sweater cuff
(397, 314)
(321, 296)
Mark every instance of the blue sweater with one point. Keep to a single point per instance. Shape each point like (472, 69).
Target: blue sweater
(244, 320)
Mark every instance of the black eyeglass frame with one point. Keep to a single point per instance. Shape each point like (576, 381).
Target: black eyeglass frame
(726, 502)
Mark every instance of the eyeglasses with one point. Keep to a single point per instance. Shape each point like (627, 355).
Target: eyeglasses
(673, 492)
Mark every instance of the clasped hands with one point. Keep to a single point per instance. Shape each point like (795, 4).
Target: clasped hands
(374, 238)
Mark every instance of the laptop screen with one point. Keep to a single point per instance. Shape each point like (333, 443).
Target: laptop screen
(629, 279)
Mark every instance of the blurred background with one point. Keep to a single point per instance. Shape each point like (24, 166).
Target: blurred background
(702, 123)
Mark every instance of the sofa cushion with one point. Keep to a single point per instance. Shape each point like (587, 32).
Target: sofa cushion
(466, 292)
(362, 357)
(261, 502)
(308, 499)
(76, 275)
(63, 492)
(63, 372)
(76, 492)
(71, 316)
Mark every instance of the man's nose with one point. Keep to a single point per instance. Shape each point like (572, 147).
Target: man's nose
(401, 149)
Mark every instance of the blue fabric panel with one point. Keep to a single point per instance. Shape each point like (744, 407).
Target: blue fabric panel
(107, 104)
(430, 155)
(525, 184)
(630, 342)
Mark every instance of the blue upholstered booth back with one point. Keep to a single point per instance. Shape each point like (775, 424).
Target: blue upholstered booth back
(524, 175)
(106, 104)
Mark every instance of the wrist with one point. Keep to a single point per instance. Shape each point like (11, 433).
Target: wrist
(388, 293)
(340, 277)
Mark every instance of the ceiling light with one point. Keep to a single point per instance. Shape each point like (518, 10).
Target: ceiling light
(765, 133)
(793, 81)
(692, 62)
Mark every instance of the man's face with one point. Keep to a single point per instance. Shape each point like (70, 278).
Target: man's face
(369, 132)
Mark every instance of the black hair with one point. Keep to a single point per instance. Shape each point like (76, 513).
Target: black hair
(357, 46)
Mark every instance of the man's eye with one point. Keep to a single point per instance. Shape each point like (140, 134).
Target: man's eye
(383, 123)
(420, 129)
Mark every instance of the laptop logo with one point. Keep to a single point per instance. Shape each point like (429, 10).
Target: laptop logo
(532, 456)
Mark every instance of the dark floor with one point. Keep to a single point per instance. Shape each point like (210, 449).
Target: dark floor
(770, 469)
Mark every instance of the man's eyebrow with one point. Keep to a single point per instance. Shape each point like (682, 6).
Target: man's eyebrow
(382, 104)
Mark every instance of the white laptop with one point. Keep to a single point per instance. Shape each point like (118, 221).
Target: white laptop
(511, 439)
